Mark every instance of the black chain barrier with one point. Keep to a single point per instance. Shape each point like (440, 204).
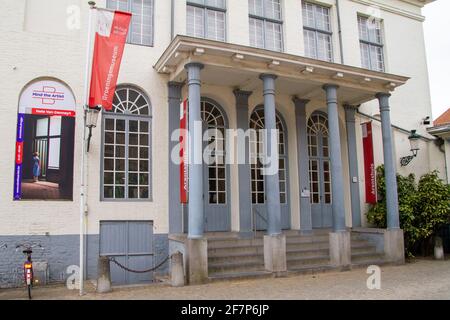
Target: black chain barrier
(112, 259)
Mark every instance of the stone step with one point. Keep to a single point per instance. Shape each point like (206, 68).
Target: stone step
(306, 253)
(230, 243)
(307, 246)
(236, 257)
(227, 251)
(214, 277)
(310, 269)
(307, 239)
(235, 267)
(364, 249)
(308, 261)
(365, 257)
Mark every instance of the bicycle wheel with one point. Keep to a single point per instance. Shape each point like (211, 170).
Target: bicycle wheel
(29, 291)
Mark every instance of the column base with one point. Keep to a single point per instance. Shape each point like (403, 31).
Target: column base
(197, 261)
(275, 254)
(340, 250)
(394, 246)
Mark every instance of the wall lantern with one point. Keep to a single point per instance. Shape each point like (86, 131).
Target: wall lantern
(91, 121)
(414, 143)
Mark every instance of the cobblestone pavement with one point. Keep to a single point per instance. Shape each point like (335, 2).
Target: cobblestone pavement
(421, 279)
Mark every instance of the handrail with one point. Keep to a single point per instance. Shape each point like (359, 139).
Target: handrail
(255, 211)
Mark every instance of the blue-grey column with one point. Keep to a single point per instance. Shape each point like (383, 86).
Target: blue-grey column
(175, 207)
(337, 181)
(195, 211)
(245, 196)
(350, 121)
(303, 164)
(389, 164)
(272, 182)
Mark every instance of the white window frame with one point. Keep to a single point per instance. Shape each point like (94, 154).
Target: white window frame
(127, 110)
(265, 21)
(207, 8)
(318, 31)
(114, 4)
(373, 61)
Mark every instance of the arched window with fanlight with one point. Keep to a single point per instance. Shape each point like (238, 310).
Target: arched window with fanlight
(216, 169)
(258, 182)
(319, 170)
(126, 147)
(256, 147)
(214, 122)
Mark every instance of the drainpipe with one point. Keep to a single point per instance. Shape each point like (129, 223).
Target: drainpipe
(341, 47)
(172, 16)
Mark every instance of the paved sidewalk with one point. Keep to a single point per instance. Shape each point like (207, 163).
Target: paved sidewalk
(421, 279)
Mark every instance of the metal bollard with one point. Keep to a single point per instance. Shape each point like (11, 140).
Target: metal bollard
(177, 270)
(104, 275)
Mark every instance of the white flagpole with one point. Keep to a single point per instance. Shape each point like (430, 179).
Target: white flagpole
(83, 147)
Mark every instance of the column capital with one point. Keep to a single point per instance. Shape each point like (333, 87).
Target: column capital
(350, 112)
(194, 64)
(330, 86)
(351, 107)
(263, 76)
(380, 95)
(300, 102)
(174, 90)
(241, 94)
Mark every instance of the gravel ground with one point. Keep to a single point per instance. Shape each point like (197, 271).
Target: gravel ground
(421, 279)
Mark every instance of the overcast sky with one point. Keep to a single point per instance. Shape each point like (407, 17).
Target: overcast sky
(437, 39)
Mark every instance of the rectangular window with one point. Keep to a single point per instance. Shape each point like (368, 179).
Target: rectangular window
(317, 32)
(141, 26)
(206, 19)
(371, 43)
(266, 24)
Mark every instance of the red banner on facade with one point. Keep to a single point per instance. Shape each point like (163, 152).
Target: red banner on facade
(184, 168)
(369, 164)
(111, 34)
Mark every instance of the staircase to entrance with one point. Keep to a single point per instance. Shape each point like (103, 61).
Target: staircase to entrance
(232, 257)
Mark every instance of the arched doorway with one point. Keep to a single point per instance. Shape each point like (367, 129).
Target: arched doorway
(319, 171)
(215, 171)
(258, 187)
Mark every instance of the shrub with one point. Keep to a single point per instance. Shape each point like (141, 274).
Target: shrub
(423, 207)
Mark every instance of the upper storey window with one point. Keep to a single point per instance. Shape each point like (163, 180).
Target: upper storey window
(141, 26)
(317, 31)
(206, 19)
(371, 43)
(266, 24)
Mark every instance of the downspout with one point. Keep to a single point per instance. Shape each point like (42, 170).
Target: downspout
(172, 16)
(341, 47)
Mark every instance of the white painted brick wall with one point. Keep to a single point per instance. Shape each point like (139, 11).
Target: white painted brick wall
(55, 52)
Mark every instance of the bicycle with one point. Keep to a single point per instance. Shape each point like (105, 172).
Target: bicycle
(28, 265)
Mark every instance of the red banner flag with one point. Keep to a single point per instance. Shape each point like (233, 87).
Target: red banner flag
(111, 34)
(369, 164)
(184, 169)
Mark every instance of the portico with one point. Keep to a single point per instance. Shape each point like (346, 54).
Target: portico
(311, 179)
